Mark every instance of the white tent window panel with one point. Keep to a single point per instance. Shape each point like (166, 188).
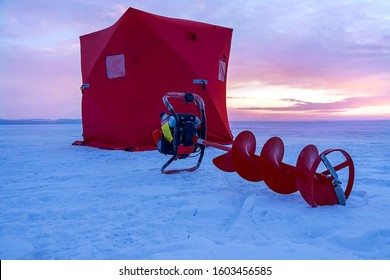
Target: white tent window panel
(222, 71)
(115, 66)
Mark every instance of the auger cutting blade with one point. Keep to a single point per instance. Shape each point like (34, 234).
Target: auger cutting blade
(246, 163)
(278, 176)
(224, 162)
(346, 162)
(322, 188)
(305, 174)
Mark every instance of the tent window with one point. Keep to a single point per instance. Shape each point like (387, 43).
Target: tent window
(115, 66)
(222, 71)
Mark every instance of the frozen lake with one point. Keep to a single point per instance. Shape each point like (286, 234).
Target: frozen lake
(59, 201)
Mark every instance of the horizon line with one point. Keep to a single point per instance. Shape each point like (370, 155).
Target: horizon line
(79, 121)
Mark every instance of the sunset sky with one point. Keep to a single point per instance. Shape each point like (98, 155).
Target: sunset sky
(290, 59)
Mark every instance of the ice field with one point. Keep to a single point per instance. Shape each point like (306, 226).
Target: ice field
(59, 201)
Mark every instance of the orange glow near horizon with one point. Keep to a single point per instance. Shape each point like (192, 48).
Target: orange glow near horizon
(360, 98)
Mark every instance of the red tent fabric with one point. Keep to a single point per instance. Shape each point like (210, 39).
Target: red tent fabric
(128, 67)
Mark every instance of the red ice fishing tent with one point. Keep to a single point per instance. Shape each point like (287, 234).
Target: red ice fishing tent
(127, 69)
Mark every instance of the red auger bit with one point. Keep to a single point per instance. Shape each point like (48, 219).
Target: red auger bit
(317, 188)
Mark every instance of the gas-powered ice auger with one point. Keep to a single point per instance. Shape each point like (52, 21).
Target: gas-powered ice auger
(314, 176)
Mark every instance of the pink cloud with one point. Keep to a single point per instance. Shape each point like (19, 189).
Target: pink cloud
(338, 106)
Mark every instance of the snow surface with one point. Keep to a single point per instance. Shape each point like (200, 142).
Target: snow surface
(59, 201)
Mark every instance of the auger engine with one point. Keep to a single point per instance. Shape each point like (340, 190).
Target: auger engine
(178, 132)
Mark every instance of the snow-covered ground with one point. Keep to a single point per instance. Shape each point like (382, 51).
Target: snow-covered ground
(59, 201)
